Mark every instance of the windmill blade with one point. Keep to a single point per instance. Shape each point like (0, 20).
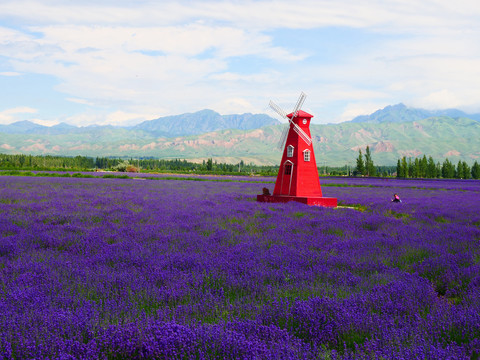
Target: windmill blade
(302, 134)
(278, 109)
(297, 129)
(283, 137)
(299, 103)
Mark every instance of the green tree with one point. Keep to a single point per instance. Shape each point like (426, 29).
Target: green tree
(405, 166)
(459, 171)
(360, 169)
(466, 170)
(400, 169)
(411, 167)
(448, 169)
(122, 167)
(423, 166)
(369, 165)
(439, 169)
(475, 170)
(209, 164)
(416, 168)
(431, 171)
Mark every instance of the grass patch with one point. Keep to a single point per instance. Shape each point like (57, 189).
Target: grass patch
(261, 215)
(8, 201)
(336, 232)
(404, 217)
(411, 256)
(111, 176)
(359, 207)
(351, 338)
(16, 173)
(299, 214)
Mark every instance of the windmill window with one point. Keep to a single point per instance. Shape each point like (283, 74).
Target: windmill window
(288, 169)
(289, 151)
(306, 155)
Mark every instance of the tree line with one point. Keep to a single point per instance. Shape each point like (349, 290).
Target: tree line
(365, 166)
(427, 168)
(419, 167)
(209, 166)
(85, 163)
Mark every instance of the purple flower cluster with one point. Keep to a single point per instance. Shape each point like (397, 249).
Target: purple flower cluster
(118, 268)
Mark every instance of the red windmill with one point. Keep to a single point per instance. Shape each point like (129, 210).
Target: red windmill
(297, 178)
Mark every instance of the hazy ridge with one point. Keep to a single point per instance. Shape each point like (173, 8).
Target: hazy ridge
(392, 132)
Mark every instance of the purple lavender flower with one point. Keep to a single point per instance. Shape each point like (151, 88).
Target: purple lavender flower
(118, 268)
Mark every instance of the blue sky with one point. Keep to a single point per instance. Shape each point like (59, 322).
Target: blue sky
(123, 62)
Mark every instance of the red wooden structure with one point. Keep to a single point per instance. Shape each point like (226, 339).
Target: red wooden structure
(297, 178)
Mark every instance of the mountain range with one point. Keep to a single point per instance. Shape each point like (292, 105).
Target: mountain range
(391, 133)
(401, 113)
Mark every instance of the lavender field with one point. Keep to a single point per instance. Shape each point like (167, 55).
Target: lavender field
(97, 268)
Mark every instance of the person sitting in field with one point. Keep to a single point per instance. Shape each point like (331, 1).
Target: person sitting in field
(396, 198)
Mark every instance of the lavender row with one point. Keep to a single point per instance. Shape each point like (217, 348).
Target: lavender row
(109, 268)
(450, 184)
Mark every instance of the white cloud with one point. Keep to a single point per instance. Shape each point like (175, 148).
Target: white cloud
(117, 118)
(123, 61)
(440, 100)
(392, 15)
(44, 122)
(119, 67)
(9, 116)
(356, 109)
(234, 77)
(122, 118)
(10, 73)
(80, 101)
(233, 106)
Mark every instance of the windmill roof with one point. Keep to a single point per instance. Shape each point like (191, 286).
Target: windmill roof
(301, 113)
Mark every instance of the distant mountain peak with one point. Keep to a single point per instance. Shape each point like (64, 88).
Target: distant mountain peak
(26, 123)
(22, 127)
(63, 125)
(395, 106)
(402, 113)
(203, 121)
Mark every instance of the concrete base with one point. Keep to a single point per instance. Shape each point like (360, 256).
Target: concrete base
(309, 200)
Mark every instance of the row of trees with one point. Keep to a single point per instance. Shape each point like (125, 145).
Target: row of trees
(49, 162)
(422, 167)
(40, 162)
(418, 168)
(77, 163)
(365, 167)
(427, 168)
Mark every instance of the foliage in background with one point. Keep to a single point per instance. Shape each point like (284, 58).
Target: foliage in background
(84, 163)
(365, 167)
(426, 168)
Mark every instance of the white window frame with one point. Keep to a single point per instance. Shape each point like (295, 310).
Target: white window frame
(306, 155)
(290, 150)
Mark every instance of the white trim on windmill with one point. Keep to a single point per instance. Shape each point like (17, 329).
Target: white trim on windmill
(306, 155)
(290, 150)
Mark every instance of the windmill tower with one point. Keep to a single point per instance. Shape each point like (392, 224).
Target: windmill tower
(297, 178)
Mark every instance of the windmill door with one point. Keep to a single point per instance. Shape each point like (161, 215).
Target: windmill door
(287, 176)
